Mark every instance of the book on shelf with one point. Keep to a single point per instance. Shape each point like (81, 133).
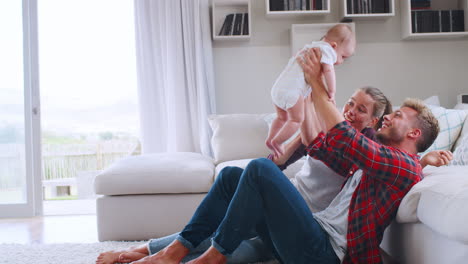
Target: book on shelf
(420, 4)
(276, 5)
(367, 6)
(227, 27)
(296, 5)
(245, 24)
(458, 20)
(434, 21)
(237, 28)
(444, 20)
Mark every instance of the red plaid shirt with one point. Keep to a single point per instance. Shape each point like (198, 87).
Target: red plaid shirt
(387, 175)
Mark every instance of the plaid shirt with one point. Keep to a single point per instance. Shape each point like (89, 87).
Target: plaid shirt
(387, 175)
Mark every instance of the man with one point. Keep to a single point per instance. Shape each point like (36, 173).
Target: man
(382, 186)
(261, 201)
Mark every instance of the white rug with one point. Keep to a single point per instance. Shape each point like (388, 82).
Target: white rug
(67, 253)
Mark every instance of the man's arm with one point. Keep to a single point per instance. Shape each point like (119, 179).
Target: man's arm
(344, 141)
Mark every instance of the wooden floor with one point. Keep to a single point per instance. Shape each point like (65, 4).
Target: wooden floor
(49, 229)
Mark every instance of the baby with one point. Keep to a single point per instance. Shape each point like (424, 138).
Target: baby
(290, 89)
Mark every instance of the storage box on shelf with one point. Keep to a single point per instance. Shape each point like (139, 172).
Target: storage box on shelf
(368, 9)
(231, 20)
(436, 19)
(288, 8)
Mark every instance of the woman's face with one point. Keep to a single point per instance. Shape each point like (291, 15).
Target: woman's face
(358, 110)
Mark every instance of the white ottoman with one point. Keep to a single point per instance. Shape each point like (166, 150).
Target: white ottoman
(151, 195)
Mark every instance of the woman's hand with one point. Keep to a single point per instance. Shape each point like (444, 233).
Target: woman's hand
(436, 158)
(311, 66)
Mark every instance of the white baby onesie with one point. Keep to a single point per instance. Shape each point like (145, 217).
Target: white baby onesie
(290, 85)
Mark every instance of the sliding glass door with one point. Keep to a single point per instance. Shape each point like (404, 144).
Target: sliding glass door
(19, 110)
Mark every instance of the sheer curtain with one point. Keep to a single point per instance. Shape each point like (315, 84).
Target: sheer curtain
(175, 75)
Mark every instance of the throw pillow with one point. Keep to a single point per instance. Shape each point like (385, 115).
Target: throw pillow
(238, 136)
(460, 155)
(433, 100)
(450, 123)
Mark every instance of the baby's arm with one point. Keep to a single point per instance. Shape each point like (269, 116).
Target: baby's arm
(329, 75)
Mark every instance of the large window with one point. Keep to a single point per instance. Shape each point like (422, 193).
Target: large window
(12, 120)
(88, 91)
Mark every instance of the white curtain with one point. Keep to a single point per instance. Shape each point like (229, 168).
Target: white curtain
(175, 75)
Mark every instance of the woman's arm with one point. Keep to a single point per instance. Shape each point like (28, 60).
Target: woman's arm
(311, 126)
(436, 158)
(330, 79)
(312, 72)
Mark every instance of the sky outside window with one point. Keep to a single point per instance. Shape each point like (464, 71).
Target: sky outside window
(87, 66)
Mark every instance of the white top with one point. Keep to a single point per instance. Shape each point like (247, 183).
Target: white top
(290, 85)
(334, 219)
(317, 183)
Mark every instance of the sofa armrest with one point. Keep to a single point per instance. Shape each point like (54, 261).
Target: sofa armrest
(439, 201)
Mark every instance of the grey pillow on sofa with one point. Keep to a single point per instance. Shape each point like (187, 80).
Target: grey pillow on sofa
(460, 155)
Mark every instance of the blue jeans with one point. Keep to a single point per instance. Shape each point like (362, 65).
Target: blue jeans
(249, 251)
(261, 201)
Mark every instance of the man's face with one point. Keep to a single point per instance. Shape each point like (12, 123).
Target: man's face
(396, 126)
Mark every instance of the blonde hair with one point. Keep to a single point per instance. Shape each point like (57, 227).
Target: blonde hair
(340, 33)
(426, 121)
(382, 105)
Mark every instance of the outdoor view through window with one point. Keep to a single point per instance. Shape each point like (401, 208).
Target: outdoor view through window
(89, 115)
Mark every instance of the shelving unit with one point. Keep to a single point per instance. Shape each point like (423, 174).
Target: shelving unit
(222, 8)
(288, 13)
(368, 9)
(406, 23)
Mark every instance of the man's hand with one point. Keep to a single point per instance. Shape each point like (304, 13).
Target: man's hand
(436, 158)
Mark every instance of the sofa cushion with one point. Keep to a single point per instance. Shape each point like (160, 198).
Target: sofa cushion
(289, 172)
(439, 201)
(181, 172)
(460, 155)
(463, 133)
(450, 123)
(238, 136)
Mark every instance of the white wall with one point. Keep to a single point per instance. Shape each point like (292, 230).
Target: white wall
(245, 71)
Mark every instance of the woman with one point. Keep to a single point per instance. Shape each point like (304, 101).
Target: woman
(316, 183)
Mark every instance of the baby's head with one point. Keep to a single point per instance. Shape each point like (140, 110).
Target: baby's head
(341, 37)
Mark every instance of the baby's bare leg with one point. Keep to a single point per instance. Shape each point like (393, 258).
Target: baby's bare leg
(278, 123)
(295, 116)
(130, 254)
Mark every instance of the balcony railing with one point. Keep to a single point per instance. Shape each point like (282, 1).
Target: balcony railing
(62, 161)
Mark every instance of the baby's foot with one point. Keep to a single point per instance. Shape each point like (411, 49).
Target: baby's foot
(269, 145)
(278, 148)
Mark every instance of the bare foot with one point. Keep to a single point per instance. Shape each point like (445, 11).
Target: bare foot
(211, 256)
(269, 145)
(129, 255)
(278, 148)
(172, 254)
(109, 257)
